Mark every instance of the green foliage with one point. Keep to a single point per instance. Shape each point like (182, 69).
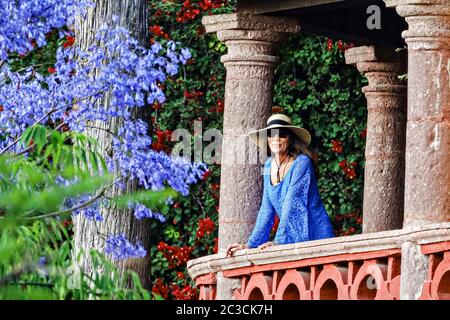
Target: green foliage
(32, 225)
(24, 275)
(29, 184)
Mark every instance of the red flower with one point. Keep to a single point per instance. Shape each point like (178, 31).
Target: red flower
(277, 109)
(364, 133)
(161, 246)
(67, 223)
(351, 174)
(337, 146)
(160, 135)
(206, 175)
(69, 41)
(51, 70)
(187, 293)
(193, 94)
(158, 31)
(168, 134)
(343, 164)
(160, 288)
(329, 44)
(1, 108)
(175, 256)
(158, 13)
(220, 105)
(205, 226)
(157, 146)
(215, 186)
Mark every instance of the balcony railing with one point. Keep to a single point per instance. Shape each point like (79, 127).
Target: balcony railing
(360, 267)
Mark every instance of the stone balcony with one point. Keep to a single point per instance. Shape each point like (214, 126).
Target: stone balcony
(361, 267)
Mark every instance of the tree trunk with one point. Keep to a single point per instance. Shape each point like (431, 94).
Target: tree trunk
(132, 14)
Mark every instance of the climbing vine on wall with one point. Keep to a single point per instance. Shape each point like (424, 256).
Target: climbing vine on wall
(313, 85)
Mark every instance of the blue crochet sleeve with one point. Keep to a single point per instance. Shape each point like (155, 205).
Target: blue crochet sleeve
(293, 226)
(264, 221)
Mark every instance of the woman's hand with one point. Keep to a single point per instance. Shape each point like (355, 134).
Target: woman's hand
(266, 245)
(232, 248)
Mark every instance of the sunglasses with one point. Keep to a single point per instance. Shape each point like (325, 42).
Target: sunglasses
(281, 132)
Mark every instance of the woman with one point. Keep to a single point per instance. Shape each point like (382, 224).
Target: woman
(290, 189)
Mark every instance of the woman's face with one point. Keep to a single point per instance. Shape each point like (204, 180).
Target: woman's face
(278, 140)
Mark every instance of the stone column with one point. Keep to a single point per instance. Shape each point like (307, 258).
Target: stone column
(427, 172)
(385, 142)
(250, 63)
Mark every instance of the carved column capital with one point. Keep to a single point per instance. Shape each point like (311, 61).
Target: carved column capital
(245, 21)
(428, 21)
(381, 65)
(250, 39)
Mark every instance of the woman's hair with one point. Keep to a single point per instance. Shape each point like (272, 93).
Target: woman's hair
(297, 147)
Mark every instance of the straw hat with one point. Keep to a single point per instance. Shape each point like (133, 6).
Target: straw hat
(279, 121)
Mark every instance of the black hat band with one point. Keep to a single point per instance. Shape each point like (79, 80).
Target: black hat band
(278, 121)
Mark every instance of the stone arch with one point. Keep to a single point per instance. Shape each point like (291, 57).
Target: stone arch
(255, 294)
(330, 284)
(368, 283)
(440, 285)
(293, 286)
(258, 287)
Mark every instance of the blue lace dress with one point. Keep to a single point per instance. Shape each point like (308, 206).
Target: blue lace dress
(297, 202)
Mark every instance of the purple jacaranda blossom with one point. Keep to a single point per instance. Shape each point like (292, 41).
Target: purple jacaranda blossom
(118, 247)
(117, 67)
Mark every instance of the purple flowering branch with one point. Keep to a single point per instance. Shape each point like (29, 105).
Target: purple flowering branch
(24, 24)
(129, 74)
(18, 139)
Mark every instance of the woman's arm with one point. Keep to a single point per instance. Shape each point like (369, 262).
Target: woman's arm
(293, 225)
(264, 221)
